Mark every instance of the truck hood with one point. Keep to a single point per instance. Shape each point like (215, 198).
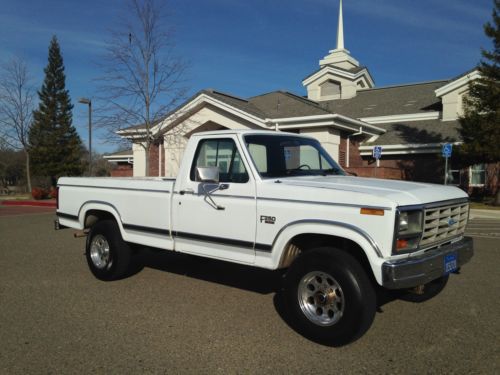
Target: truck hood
(401, 193)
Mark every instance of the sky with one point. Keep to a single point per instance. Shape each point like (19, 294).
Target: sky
(250, 47)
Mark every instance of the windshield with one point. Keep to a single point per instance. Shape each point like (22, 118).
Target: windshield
(277, 156)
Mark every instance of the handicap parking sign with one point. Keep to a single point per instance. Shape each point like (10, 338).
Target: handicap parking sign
(446, 150)
(377, 152)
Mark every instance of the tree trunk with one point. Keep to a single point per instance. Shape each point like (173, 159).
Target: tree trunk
(28, 171)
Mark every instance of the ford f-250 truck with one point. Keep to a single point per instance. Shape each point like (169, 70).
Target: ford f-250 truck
(279, 201)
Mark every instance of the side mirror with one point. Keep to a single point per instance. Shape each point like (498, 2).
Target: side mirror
(207, 174)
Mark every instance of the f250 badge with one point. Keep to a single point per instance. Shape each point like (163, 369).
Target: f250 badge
(267, 219)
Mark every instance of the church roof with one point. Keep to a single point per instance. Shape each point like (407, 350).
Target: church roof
(353, 70)
(390, 100)
(282, 104)
(414, 132)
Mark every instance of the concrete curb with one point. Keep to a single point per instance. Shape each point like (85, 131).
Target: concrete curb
(44, 203)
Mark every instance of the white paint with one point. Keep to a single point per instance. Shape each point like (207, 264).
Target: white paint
(139, 169)
(434, 115)
(406, 149)
(333, 200)
(340, 29)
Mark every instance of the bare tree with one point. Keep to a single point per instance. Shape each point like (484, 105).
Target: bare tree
(143, 78)
(16, 108)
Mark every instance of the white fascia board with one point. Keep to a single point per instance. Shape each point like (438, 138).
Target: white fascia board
(203, 98)
(126, 132)
(324, 120)
(362, 123)
(411, 148)
(453, 85)
(324, 124)
(434, 115)
(338, 72)
(408, 145)
(435, 150)
(129, 160)
(113, 157)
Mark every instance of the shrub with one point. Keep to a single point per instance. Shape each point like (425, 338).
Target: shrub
(53, 192)
(39, 193)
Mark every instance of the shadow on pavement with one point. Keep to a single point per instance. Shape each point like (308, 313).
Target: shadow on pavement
(225, 273)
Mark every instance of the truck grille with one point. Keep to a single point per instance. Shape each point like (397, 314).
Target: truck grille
(442, 223)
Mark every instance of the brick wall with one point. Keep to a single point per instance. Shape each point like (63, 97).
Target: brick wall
(154, 153)
(122, 170)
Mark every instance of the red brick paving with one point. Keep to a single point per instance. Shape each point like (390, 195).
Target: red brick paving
(27, 202)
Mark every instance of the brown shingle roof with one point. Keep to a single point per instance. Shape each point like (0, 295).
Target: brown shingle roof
(386, 101)
(431, 131)
(281, 104)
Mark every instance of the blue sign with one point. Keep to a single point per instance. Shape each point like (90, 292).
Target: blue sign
(447, 148)
(377, 152)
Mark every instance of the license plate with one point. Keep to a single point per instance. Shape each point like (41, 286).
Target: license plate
(450, 263)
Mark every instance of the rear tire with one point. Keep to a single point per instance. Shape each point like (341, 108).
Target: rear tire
(329, 296)
(108, 255)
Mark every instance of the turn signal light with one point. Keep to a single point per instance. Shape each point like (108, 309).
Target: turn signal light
(372, 211)
(401, 244)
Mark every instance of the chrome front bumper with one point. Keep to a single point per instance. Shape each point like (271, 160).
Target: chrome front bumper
(414, 271)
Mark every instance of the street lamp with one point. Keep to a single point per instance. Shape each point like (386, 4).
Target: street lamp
(89, 103)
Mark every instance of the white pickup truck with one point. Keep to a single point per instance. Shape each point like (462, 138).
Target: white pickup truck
(279, 201)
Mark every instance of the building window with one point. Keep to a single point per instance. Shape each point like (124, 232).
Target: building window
(330, 88)
(477, 175)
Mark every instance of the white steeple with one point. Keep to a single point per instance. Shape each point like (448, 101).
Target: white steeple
(340, 29)
(340, 56)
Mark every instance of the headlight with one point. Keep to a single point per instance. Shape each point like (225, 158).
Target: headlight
(408, 231)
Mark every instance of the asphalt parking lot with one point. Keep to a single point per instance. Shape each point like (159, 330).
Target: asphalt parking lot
(181, 314)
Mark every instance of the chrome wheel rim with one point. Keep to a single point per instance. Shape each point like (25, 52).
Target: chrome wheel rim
(99, 252)
(321, 298)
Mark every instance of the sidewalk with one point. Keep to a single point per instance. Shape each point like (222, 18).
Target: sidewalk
(29, 202)
(484, 214)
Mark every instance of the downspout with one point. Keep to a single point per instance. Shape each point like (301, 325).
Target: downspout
(349, 145)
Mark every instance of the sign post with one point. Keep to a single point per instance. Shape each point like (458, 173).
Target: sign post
(446, 152)
(377, 154)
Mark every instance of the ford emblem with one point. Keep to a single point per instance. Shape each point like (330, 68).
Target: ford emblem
(451, 222)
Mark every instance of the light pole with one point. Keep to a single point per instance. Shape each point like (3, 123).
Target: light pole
(89, 103)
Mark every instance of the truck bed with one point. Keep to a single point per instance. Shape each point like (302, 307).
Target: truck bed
(143, 218)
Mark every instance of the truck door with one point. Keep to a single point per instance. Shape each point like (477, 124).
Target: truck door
(222, 224)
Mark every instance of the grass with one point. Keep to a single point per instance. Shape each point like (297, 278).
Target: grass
(16, 197)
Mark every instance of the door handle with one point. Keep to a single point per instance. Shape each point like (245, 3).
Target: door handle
(186, 191)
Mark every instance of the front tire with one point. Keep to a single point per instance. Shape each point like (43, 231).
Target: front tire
(329, 296)
(108, 255)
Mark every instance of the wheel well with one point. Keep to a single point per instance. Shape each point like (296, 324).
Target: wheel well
(93, 216)
(305, 242)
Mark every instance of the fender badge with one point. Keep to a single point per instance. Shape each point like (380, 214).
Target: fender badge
(267, 219)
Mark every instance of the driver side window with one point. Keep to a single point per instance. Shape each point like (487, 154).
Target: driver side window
(221, 153)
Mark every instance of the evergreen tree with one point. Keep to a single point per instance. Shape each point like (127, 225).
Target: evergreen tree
(480, 125)
(56, 147)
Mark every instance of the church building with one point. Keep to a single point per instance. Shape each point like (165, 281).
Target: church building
(343, 109)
